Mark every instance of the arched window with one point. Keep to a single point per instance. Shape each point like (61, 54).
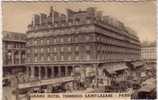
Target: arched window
(42, 50)
(9, 57)
(48, 50)
(41, 41)
(48, 41)
(77, 21)
(88, 21)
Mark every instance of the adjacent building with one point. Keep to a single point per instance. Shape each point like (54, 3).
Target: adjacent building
(13, 52)
(148, 52)
(148, 55)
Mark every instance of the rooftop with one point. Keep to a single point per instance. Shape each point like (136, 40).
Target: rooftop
(13, 36)
(90, 15)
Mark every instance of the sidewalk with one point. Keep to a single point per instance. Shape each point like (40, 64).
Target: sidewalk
(88, 90)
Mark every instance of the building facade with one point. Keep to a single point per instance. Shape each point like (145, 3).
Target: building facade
(58, 45)
(148, 55)
(13, 52)
(148, 52)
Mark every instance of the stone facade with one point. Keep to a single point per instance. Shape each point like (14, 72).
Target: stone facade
(57, 44)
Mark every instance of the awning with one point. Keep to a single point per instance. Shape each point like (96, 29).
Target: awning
(148, 68)
(137, 64)
(117, 67)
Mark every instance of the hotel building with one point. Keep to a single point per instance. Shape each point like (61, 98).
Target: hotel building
(58, 45)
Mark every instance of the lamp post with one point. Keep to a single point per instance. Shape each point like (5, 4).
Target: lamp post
(17, 90)
(96, 75)
(16, 82)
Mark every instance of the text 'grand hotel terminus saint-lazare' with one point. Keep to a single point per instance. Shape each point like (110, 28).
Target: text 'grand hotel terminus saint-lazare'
(78, 51)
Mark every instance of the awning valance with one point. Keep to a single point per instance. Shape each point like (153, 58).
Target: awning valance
(117, 67)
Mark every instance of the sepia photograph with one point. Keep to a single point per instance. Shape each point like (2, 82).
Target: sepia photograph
(85, 48)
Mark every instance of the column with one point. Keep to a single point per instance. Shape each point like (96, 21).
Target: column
(32, 72)
(59, 71)
(52, 69)
(96, 75)
(27, 73)
(39, 72)
(46, 72)
(73, 70)
(12, 54)
(19, 57)
(66, 71)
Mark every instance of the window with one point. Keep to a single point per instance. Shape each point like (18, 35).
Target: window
(77, 21)
(48, 58)
(62, 57)
(76, 39)
(69, 49)
(88, 21)
(77, 48)
(55, 49)
(48, 49)
(69, 39)
(62, 49)
(87, 57)
(87, 48)
(41, 50)
(41, 41)
(61, 40)
(87, 38)
(48, 41)
(77, 57)
(55, 25)
(28, 51)
(42, 58)
(55, 40)
(69, 58)
(35, 50)
(35, 42)
(62, 24)
(9, 54)
(55, 58)
(35, 59)
(70, 23)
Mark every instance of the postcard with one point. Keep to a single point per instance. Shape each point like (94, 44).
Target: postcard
(79, 50)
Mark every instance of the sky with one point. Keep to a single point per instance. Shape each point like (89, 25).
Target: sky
(140, 16)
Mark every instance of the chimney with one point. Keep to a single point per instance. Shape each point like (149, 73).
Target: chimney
(36, 20)
(43, 18)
